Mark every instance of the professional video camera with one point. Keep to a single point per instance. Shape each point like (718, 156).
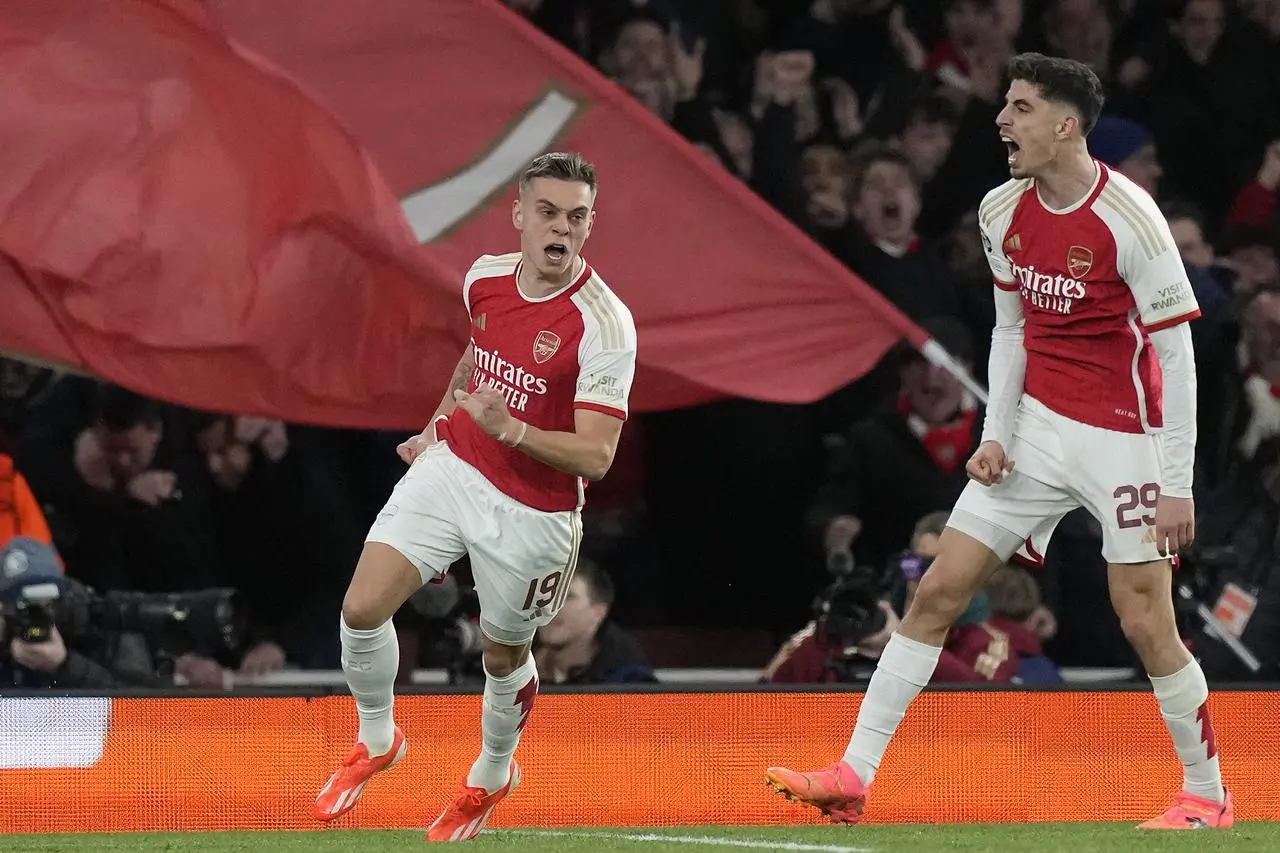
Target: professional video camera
(449, 625)
(848, 611)
(35, 597)
(210, 620)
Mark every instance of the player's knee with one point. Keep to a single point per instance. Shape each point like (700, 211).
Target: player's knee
(500, 661)
(363, 612)
(941, 596)
(384, 579)
(1146, 628)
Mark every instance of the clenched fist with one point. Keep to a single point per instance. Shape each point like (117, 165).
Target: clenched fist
(988, 464)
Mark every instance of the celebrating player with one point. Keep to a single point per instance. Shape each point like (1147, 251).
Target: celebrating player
(535, 408)
(1093, 399)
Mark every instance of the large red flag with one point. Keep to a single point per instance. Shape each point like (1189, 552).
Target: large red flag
(186, 222)
(179, 221)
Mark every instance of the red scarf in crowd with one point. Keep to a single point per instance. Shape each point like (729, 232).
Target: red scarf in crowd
(950, 444)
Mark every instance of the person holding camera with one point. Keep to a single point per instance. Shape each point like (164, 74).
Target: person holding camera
(997, 639)
(36, 653)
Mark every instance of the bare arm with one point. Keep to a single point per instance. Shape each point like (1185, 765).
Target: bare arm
(586, 452)
(458, 382)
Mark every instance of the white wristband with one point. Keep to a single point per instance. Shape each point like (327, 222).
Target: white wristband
(519, 435)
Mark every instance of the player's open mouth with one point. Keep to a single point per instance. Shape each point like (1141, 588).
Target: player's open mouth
(1013, 147)
(556, 252)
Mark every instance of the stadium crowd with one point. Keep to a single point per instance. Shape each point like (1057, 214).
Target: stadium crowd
(871, 125)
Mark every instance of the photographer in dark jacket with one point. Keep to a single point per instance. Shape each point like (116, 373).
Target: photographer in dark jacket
(35, 654)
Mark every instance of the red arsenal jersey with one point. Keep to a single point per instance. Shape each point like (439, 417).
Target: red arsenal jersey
(1096, 278)
(573, 349)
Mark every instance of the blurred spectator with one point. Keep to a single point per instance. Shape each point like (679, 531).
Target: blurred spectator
(1213, 334)
(581, 645)
(1252, 254)
(640, 59)
(288, 534)
(1255, 204)
(1128, 147)
(20, 513)
(905, 460)
(1083, 30)
(881, 243)
(1266, 15)
(125, 494)
(927, 134)
(969, 27)
(824, 178)
(22, 386)
(1204, 81)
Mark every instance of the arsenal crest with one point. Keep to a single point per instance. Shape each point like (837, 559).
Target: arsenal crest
(1079, 261)
(545, 346)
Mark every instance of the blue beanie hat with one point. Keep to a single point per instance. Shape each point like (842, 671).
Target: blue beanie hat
(1116, 139)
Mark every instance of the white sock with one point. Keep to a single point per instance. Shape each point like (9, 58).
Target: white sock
(370, 660)
(905, 668)
(1183, 699)
(505, 710)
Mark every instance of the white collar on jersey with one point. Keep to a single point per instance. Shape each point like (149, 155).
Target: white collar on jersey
(1076, 205)
(577, 276)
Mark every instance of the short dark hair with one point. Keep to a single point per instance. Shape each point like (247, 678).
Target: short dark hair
(599, 584)
(559, 166)
(931, 108)
(1013, 592)
(869, 155)
(120, 410)
(1064, 81)
(1177, 209)
(933, 523)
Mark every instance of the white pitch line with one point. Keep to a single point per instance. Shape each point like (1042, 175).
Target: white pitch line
(704, 840)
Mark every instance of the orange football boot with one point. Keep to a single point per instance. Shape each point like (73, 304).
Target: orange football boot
(340, 793)
(469, 812)
(836, 791)
(1191, 812)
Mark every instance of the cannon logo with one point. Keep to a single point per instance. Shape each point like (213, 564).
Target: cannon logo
(436, 210)
(1079, 261)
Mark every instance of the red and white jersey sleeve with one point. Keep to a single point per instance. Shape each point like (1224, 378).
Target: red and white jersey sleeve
(1147, 258)
(487, 266)
(995, 213)
(606, 352)
(1006, 369)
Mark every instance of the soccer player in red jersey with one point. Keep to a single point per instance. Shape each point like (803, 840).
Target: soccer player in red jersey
(534, 410)
(1092, 398)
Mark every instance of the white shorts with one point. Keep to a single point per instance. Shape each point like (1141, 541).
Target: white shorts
(522, 559)
(1060, 465)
